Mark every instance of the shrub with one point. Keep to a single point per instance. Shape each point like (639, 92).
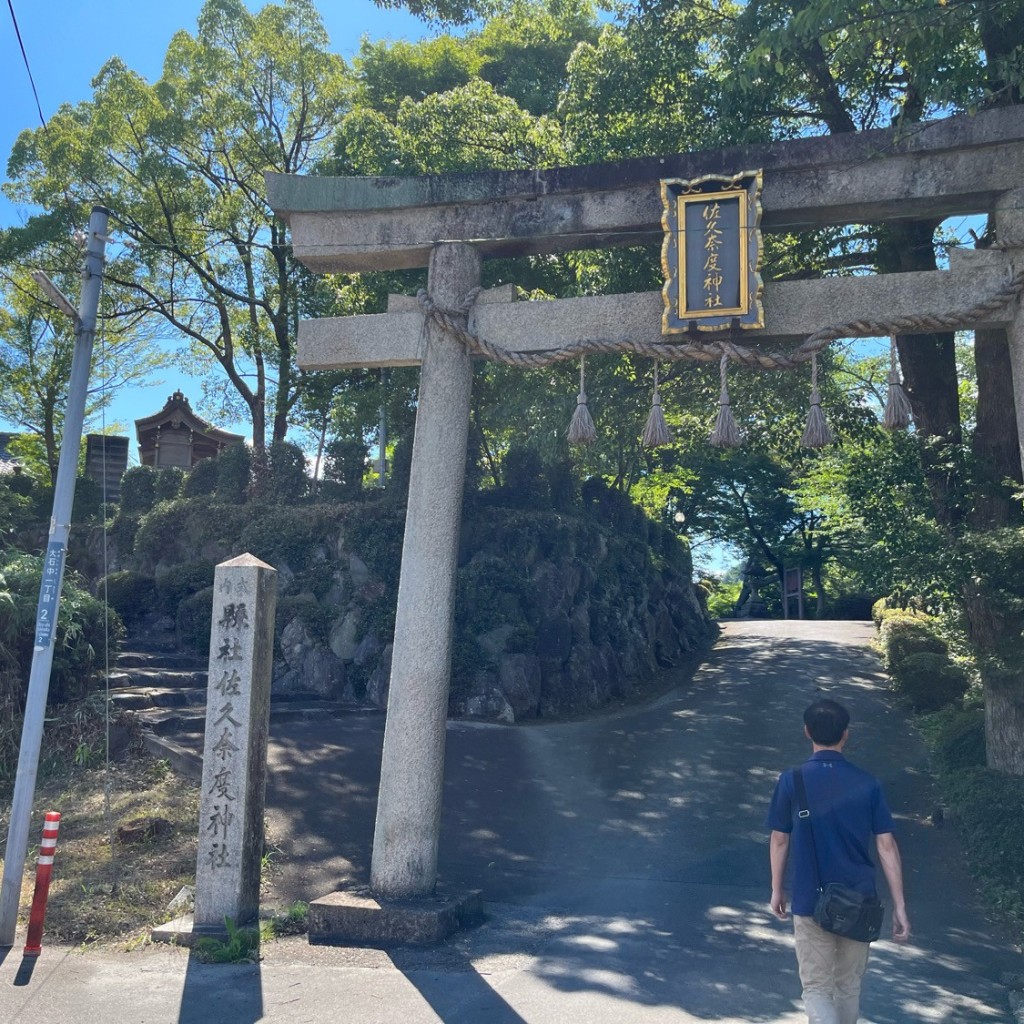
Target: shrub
(181, 581)
(159, 532)
(179, 530)
(722, 600)
(201, 480)
(138, 490)
(130, 594)
(956, 738)
(89, 504)
(344, 466)
(850, 606)
(929, 681)
(989, 808)
(234, 474)
(18, 515)
(903, 634)
(288, 480)
(524, 484)
(83, 627)
(193, 620)
(167, 485)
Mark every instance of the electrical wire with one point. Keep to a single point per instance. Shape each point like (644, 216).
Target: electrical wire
(108, 816)
(24, 57)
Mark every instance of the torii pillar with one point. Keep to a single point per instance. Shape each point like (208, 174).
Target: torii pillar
(412, 767)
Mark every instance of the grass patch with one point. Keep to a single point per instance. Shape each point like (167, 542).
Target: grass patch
(293, 920)
(105, 887)
(242, 946)
(119, 866)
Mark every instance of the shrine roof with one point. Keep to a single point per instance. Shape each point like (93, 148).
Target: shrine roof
(177, 407)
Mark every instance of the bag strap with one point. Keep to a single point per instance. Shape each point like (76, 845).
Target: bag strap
(804, 814)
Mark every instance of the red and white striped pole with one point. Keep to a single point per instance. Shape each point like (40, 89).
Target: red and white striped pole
(44, 869)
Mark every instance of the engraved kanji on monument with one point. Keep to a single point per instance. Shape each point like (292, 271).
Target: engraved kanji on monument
(235, 748)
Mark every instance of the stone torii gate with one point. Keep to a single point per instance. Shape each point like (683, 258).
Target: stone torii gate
(450, 223)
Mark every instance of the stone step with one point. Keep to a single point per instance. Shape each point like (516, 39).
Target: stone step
(161, 678)
(164, 721)
(183, 756)
(139, 698)
(154, 643)
(165, 715)
(158, 659)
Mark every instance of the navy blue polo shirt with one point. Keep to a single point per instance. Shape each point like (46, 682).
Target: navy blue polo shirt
(847, 807)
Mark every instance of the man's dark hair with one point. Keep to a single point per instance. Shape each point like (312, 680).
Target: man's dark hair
(826, 722)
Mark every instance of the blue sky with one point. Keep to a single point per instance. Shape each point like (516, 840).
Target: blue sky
(67, 43)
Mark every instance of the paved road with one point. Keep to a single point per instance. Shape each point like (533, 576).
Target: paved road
(623, 859)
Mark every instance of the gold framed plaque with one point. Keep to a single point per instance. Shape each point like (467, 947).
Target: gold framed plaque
(711, 255)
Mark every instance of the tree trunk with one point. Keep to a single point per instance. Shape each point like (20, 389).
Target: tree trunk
(993, 637)
(995, 445)
(819, 589)
(928, 362)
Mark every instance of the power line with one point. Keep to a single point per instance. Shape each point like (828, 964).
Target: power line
(24, 56)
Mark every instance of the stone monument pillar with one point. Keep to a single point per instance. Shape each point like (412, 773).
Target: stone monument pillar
(235, 749)
(412, 767)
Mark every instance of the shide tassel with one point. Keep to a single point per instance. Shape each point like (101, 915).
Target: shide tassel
(581, 426)
(656, 431)
(897, 406)
(726, 434)
(816, 433)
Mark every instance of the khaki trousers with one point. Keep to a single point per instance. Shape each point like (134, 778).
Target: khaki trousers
(831, 969)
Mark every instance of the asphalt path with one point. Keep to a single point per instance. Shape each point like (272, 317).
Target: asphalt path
(623, 860)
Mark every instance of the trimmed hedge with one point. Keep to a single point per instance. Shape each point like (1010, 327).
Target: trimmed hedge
(902, 635)
(917, 660)
(929, 681)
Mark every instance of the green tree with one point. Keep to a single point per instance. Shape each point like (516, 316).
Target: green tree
(181, 164)
(37, 344)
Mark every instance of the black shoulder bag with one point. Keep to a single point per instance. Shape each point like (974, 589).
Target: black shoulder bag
(839, 909)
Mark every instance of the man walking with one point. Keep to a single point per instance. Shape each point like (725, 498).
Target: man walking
(848, 807)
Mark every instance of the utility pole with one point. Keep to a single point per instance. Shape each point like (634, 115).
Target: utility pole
(53, 570)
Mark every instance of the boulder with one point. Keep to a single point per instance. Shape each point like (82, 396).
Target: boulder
(580, 620)
(486, 699)
(493, 642)
(554, 638)
(520, 681)
(367, 651)
(306, 667)
(380, 679)
(344, 639)
(358, 570)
